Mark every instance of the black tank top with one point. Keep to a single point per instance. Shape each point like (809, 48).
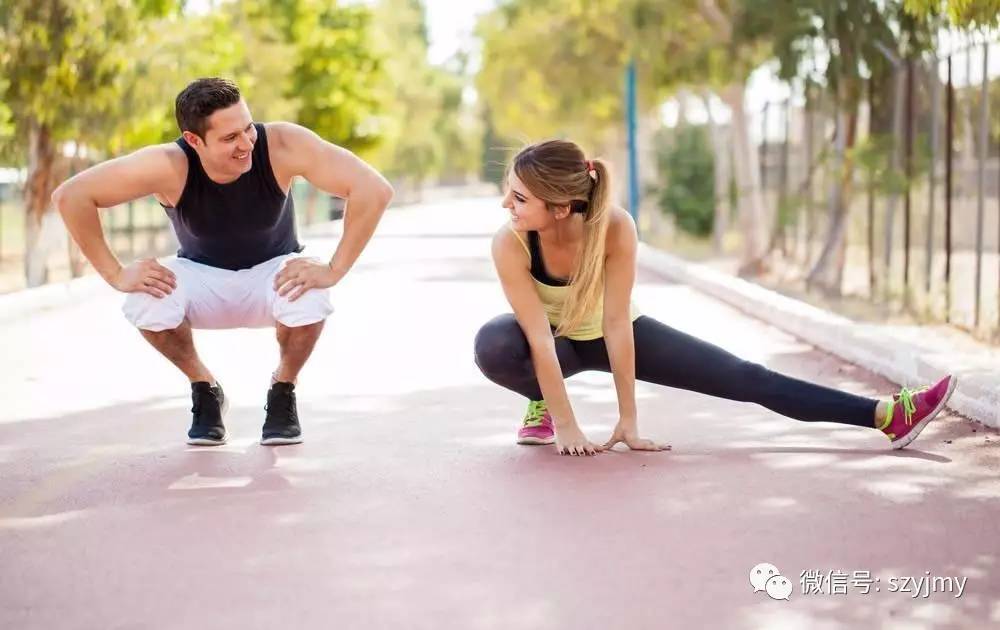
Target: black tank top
(235, 225)
(538, 270)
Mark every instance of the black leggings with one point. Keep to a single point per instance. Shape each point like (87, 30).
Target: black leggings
(666, 356)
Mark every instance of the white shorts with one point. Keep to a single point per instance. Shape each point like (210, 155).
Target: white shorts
(210, 297)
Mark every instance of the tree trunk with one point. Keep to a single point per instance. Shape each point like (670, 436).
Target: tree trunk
(747, 173)
(683, 111)
(967, 147)
(806, 186)
(38, 189)
(722, 173)
(778, 238)
(895, 164)
(828, 273)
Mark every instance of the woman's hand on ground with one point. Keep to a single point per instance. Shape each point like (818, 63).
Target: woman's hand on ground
(629, 436)
(571, 441)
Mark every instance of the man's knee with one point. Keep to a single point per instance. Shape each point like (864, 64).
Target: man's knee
(311, 307)
(154, 314)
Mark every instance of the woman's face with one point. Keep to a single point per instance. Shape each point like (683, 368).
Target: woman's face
(527, 212)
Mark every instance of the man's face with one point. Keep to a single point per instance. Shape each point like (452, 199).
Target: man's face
(229, 140)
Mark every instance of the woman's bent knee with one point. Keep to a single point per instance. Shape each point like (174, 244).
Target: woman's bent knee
(499, 344)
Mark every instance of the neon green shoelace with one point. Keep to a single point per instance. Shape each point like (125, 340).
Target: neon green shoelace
(909, 407)
(536, 411)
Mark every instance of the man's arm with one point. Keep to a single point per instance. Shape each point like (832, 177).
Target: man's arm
(337, 171)
(145, 172)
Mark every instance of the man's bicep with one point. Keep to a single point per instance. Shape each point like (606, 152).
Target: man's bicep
(329, 167)
(335, 170)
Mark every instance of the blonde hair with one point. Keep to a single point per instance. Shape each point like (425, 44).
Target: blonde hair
(558, 173)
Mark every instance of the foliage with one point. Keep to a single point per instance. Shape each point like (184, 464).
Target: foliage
(687, 167)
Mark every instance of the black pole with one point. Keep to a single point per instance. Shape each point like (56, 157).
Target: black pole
(935, 96)
(871, 202)
(948, 147)
(984, 142)
(909, 175)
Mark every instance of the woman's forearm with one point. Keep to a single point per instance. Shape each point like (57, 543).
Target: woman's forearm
(620, 343)
(550, 381)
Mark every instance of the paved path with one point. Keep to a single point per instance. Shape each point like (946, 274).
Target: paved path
(409, 506)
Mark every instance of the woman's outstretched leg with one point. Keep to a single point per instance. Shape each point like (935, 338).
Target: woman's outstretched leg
(667, 356)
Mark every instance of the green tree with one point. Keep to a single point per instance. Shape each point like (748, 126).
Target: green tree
(861, 39)
(6, 127)
(428, 128)
(333, 86)
(555, 67)
(61, 60)
(93, 72)
(336, 74)
(179, 46)
(688, 193)
(411, 101)
(458, 127)
(708, 52)
(966, 14)
(496, 151)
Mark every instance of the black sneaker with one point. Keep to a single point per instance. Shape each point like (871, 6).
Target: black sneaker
(281, 425)
(209, 405)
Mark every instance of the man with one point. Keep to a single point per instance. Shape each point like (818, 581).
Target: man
(225, 186)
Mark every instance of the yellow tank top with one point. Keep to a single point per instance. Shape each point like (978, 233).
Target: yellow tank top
(554, 297)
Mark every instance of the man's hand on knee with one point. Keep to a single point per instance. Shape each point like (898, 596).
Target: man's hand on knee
(301, 274)
(146, 276)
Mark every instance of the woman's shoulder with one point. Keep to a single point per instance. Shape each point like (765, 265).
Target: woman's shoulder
(620, 218)
(503, 234)
(621, 227)
(507, 240)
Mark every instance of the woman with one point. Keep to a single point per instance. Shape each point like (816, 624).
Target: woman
(567, 263)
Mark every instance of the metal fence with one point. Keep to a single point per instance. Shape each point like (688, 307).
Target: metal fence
(923, 230)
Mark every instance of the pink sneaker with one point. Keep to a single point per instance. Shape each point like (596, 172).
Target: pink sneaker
(911, 410)
(537, 425)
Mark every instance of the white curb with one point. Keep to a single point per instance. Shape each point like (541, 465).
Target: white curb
(29, 302)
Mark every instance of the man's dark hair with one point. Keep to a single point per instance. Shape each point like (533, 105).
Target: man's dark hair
(200, 99)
